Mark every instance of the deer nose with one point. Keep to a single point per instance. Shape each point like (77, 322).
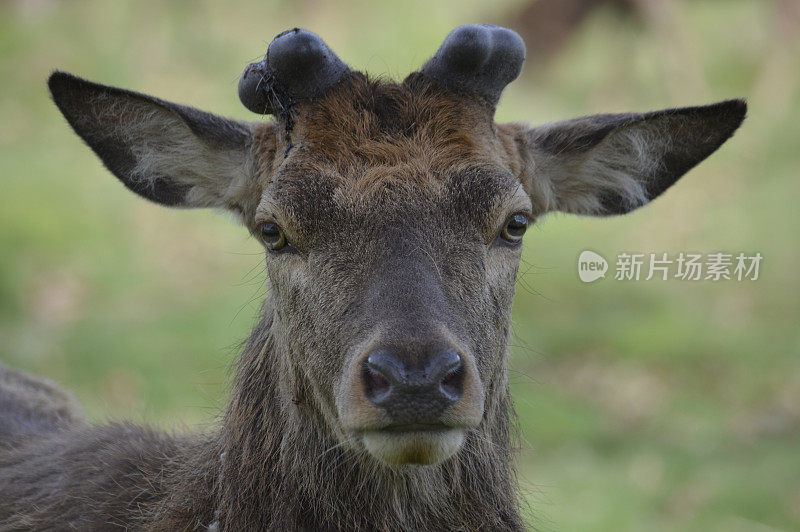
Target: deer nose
(413, 394)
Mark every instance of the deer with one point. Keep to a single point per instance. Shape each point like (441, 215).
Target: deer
(373, 393)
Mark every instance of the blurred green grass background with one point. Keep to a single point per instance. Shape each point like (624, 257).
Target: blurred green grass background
(643, 406)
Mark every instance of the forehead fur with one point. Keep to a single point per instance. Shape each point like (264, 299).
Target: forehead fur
(370, 131)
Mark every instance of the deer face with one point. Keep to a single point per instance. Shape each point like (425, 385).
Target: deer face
(392, 216)
(392, 249)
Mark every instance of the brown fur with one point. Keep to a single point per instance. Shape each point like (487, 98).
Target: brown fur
(413, 125)
(32, 405)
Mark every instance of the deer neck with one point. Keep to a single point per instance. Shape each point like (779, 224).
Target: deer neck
(282, 466)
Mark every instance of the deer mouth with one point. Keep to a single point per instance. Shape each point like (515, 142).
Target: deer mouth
(416, 427)
(413, 443)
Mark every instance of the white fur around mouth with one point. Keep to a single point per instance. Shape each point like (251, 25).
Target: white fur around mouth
(420, 447)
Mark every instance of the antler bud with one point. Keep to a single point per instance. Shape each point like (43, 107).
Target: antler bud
(298, 65)
(478, 59)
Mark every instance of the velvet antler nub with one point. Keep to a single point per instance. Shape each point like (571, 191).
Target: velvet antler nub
(298, 65)
(478, 59)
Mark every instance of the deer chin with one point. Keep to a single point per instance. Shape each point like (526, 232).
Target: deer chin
(414, 444)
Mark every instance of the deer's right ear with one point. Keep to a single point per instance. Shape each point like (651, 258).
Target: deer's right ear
(168, 153)
(605, 165)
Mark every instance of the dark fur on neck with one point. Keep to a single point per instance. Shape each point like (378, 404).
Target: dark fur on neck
(273, 465)
(283, 468)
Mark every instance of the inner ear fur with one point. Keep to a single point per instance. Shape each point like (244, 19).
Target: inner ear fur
(171, 154)
(611, 164)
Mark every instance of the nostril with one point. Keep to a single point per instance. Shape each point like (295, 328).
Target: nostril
(447, 374)
(377, 387)
(452, 383)
(378, 374)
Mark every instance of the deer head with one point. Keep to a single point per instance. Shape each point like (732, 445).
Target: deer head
(392, 215)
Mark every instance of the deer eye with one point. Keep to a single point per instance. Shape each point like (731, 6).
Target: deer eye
(515, 228)
(272, 236)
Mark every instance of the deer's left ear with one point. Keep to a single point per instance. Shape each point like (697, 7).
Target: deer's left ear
(168, 153)
(611, 164)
